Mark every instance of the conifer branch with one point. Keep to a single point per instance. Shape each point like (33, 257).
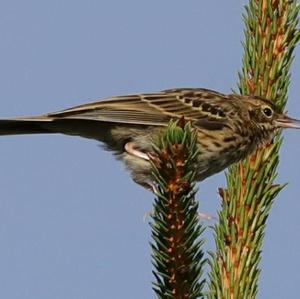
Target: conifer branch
(271, 35)
(176, 248)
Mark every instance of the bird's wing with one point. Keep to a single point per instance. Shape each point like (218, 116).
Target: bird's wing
(197, 105)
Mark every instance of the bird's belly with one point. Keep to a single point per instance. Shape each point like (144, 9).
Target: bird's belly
(209, 166)
(213, 158)
(140, 169)
(216, 160)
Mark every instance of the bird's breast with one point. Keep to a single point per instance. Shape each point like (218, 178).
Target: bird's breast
(219, 150)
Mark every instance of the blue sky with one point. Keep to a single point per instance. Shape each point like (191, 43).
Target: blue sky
(71, 220)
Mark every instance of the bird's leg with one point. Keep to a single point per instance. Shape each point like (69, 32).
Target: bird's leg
(129, 148)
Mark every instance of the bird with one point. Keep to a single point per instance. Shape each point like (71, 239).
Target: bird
(228, 127)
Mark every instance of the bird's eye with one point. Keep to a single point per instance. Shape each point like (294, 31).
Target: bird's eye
(268, 112)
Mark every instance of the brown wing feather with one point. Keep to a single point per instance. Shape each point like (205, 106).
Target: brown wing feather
(149, 109)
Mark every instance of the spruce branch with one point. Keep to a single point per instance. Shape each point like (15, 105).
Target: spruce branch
(176, 247)
(271, 35)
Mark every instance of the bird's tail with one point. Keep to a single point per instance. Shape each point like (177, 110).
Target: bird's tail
(24, 126)
(45, 124)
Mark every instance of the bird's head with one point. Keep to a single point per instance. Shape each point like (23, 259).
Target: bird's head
(263, 115)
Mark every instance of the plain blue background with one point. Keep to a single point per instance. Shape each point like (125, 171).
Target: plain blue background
(71, 220)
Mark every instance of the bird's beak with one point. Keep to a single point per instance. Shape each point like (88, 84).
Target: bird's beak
(285, 121)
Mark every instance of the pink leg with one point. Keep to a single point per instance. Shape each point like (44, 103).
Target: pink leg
(129, 148)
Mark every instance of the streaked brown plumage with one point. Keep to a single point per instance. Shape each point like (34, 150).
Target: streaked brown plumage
(229, 127)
